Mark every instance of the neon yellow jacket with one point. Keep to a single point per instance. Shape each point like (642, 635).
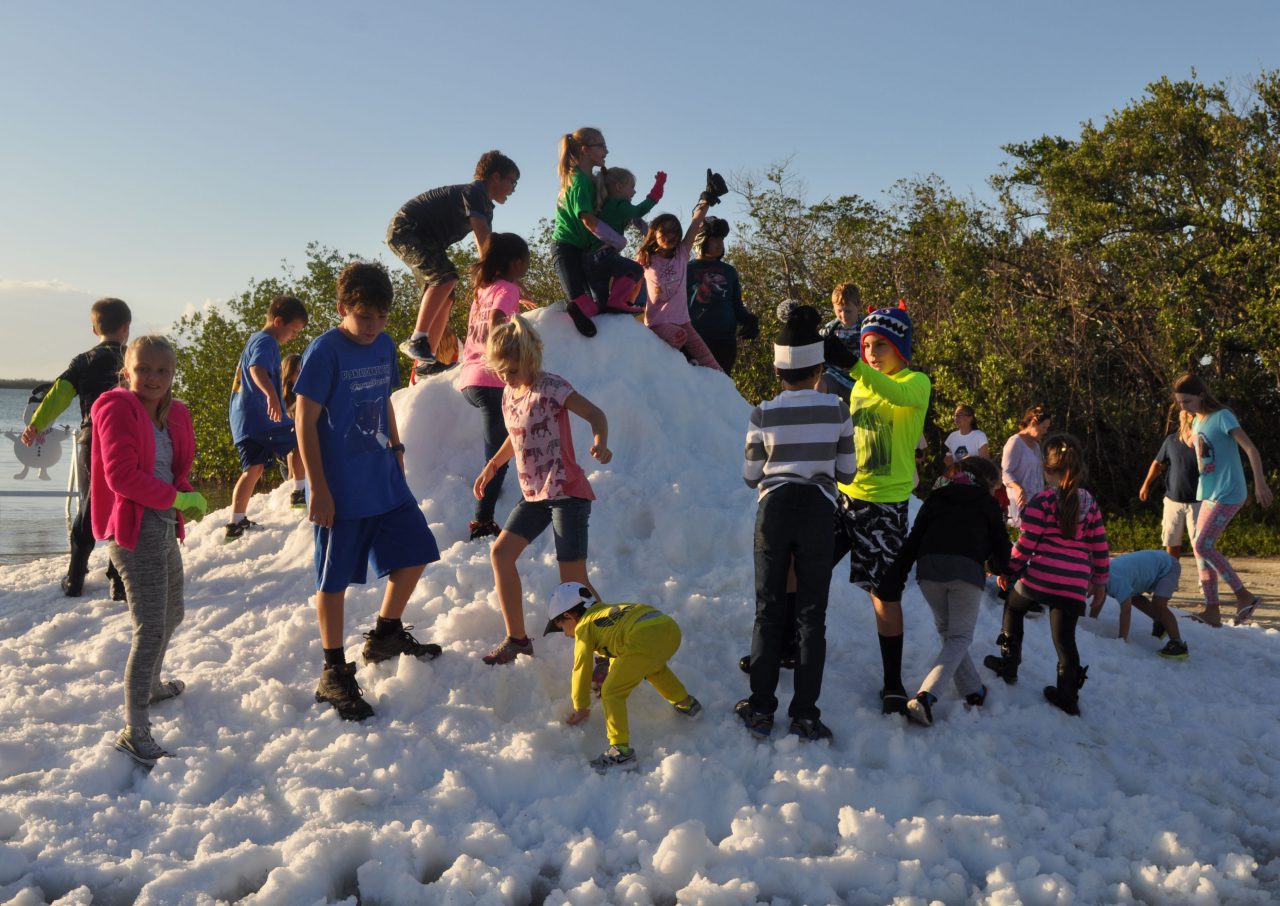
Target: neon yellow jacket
(888, 413)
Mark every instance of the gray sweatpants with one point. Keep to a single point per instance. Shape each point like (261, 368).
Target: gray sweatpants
(955, 612)
(152, 574)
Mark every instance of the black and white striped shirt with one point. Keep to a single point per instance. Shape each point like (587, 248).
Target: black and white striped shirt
(800, 436)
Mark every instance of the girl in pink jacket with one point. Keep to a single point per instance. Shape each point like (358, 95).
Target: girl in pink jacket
(143, 445)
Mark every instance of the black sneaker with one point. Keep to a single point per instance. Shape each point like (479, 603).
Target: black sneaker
(419, 350)
(759, 725)
(339, 688)
(426, 369)
(1174, 651)
(1157, 629)
(383, 648)
(73, 586)
(810, 729)
(483, 529)
(893, 701)
(920, 709)
(298, 499)
(235, 530)
(976, 699)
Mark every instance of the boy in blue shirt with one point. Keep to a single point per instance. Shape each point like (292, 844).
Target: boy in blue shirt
(260, 427)
(1132, 577)
(360, 503)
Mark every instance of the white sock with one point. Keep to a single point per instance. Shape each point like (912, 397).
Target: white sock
(418, 333)
(238, 517)
(299, 484)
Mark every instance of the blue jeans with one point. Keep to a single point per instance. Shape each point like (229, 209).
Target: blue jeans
(567, 260)
(489, 401)
(567, 517)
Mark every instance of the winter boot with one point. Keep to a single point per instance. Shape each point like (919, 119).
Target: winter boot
(1066, 695)
(581, 311)
(620, 296)
(1006, 665)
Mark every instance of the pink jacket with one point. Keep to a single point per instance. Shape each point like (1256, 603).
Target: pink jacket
(121, 482)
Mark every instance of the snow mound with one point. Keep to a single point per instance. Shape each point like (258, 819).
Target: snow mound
(468, 788)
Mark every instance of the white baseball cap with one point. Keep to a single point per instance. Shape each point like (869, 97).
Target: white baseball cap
(567, 596)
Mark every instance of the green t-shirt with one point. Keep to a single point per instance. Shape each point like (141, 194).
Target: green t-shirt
(888, 417)
(618, 212)
(580, 197)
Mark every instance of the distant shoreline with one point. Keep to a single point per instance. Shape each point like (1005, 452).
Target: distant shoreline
(20, 383)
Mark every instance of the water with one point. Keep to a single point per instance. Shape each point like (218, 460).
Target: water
(32, 527)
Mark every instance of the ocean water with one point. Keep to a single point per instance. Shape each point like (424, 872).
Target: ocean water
(33, 527)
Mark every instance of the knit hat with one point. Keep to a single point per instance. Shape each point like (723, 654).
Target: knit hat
(798, 345)
(894, 324)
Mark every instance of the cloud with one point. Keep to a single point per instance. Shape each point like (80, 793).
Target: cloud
(54, 286)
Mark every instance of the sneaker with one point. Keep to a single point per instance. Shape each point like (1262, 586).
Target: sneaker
(599, 673)
(507, 651)
(1174, 650)
(383, 648)
(976, 699)
(483, 529)
(893, 701)
(920, 709)
(72, 586)
(810, 729)
(138, 744)
(759, 725)
(235, 530)
(298, 499)
(419, 350)
(166, 690)
(615, 758)
(690, 707)
(1157, 629)
(426, 369)
(339, 688)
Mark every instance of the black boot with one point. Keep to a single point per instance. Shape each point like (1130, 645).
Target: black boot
(1006, 664)
(1066, 695)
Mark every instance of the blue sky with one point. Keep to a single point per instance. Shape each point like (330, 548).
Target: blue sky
(168, 152)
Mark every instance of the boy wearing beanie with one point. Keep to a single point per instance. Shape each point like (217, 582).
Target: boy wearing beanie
(888, 405)
(799, 446)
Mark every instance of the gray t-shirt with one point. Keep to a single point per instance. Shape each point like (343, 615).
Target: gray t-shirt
(164, 467)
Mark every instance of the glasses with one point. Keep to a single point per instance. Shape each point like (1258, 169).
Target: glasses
(598, 145)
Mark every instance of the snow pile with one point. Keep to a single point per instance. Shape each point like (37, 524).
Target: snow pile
(467, 788)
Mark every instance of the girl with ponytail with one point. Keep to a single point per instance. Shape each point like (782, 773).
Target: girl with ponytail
(1216, 435)
(578, 231)
(1060, 557)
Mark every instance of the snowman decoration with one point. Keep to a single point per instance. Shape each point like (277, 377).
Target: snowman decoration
(46, 449)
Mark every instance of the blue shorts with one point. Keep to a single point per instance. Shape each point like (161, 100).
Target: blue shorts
(263, 449)
(391, 540)
(567, 517)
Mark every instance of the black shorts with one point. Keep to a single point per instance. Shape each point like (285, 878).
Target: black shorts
(872, 535)
(427, 259)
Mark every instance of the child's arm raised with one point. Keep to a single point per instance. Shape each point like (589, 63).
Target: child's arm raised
(582, 407)
(500, 458)
(1261, 490)
(695, 225)
(321, 506)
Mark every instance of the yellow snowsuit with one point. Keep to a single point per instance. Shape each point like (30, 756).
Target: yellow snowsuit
(640, 640)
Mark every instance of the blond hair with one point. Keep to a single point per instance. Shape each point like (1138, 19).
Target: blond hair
(571, 145)
(160, 344)
(613, 180)
(514, 346)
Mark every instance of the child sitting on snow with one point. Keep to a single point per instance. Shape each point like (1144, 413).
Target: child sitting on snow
(639, 639)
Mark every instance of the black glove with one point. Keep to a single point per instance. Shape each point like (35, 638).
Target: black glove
(838, 354)
(750, 328)
(715, 188)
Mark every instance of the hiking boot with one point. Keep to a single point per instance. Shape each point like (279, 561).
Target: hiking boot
(1006, 664)
(615, 758)
(383, 648)
(419, 349)
(72, 586)
(235, 530)
(893, 701)
(810, 729)
(138, 744)
(976, 699)
(166, 690)
(339, 688)
(507, 650)
(758, 724)
(920, 709)
(690, 707)
(298, 499)
(599, 673)
(1174, 650)
(483, 529)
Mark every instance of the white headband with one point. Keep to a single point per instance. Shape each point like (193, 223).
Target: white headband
(798, 356)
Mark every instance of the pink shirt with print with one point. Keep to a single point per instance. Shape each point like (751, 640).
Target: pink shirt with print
(503, 296)
(538, 424)
(665, 279)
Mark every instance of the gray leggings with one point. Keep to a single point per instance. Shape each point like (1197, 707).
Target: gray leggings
(955, 612)
(152, 574)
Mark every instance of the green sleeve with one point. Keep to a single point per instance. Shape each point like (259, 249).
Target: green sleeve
(55, 401)
(643, 207)
(911, 392)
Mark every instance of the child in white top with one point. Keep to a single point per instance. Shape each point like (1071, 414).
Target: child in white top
(966, 440)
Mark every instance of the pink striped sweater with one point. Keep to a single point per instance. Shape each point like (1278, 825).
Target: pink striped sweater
(1053, 569)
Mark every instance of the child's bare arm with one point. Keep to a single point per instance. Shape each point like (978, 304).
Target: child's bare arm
(582, 407)
(262, 380)
(695, 225)
(1261, 490)
(1152, 474)
(504, 454)
(321, 502)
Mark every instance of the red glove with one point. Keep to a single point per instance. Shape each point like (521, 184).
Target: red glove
(659, 183)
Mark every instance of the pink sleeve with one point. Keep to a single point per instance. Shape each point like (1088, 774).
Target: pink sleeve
(120, 439)
(508, 300)
(557, 389)
(1099, 550)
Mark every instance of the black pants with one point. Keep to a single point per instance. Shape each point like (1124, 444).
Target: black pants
(82, 526)
(489, 401)
(793, 524)
(1062, 624)
(724, 349)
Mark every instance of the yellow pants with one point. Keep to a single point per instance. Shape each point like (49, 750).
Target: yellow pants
(651, 647)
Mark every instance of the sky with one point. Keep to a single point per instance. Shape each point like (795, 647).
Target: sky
(169, 153)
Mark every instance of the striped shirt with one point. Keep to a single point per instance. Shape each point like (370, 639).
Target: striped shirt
(1054, 569)
(802, 437)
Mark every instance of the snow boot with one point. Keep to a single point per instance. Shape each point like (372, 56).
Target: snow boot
(581, 311)
(1066, 695)
(1006, 665)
